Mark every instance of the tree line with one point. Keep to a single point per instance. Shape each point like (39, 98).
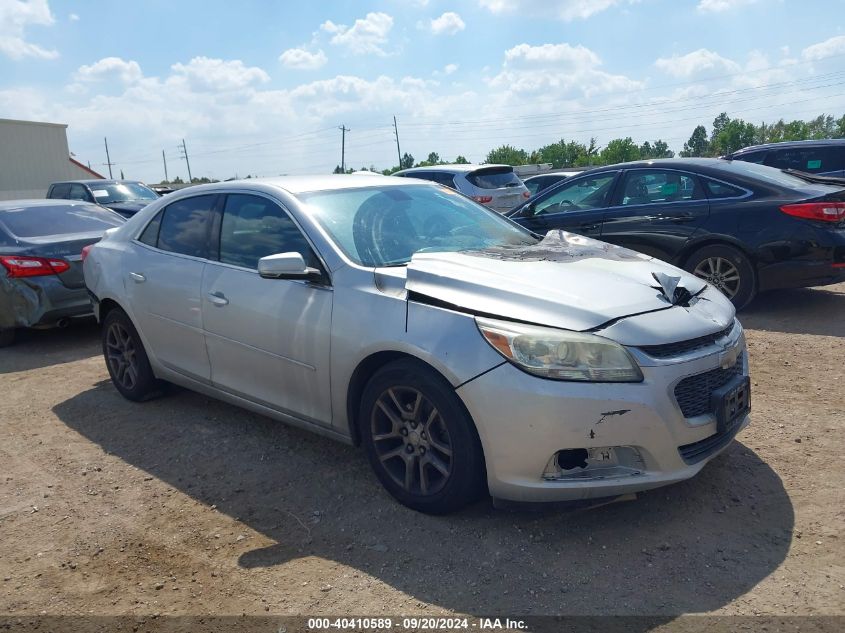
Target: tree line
(726, 135)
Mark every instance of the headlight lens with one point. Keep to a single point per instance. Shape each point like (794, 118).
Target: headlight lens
(559, 354)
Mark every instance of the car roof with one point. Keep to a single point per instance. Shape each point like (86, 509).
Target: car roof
(454, 169)
(788, 144)
(8, 205)
(306, 184)
(97, 181)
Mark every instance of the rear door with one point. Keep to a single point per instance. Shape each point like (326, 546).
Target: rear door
(267, 339)
(163, 280)
(577, 206)
(655, 211)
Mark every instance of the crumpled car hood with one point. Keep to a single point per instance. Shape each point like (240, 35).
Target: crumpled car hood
(566, 281)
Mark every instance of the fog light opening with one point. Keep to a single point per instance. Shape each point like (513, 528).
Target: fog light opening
(572, 458)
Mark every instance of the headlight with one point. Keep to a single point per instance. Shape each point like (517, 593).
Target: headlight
(559, 354)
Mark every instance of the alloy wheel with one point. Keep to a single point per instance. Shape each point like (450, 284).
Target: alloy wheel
(721, 273)
(122, 355)
(411, 440)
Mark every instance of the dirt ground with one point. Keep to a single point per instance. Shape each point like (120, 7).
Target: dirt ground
(185, 505)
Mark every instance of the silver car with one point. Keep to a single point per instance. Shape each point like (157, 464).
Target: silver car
(494, 186)
(462, 352)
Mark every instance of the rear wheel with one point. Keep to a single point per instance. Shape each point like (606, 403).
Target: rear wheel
(7, 337)
(127, 360)
(420, 440)
(728, 269)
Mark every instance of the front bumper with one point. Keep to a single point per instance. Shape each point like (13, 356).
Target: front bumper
(523, 421)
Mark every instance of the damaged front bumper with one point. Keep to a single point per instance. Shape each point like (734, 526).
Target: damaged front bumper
(551, 441)
(39, 301)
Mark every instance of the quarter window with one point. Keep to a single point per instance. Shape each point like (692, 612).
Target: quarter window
(150, 234)
(721, 190)
(184, 226)
(254, 227)
(653, 186)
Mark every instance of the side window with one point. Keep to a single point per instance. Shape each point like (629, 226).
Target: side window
(150, 234)
(814, 160)
(721, 190)
(184, 226)
(254, 227)
(78, 192)
(753, 157)
(60, 191)
(655, 186)
(580, 195)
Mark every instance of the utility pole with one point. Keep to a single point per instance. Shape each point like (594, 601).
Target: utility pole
(184, 150)
(343, 129)
(108, 160)
(164, 160)
(398, 151)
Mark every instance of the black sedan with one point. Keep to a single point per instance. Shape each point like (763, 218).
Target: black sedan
(745, 228)
(127, 197)
(41, 243)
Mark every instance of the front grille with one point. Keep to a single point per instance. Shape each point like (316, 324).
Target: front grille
(683, 347)
(693, 392)
(702, 449)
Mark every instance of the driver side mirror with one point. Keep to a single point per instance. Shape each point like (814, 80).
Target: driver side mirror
(287, 266)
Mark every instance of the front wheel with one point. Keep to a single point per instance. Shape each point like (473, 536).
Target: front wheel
(127, 360)
(728, 269)
(420, 439)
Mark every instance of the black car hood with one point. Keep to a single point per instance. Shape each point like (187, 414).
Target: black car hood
(127, 208)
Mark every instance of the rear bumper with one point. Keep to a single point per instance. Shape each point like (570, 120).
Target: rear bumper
(39, 301)
(799, 274)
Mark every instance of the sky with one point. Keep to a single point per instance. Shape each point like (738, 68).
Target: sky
(262, 87)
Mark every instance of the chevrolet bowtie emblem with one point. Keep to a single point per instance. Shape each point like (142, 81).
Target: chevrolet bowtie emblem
(672, 291)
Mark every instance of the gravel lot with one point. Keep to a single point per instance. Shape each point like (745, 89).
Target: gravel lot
(186, 505)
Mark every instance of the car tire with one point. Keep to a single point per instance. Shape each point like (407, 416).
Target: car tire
(7, 337)
(728, 269)
(420, 439)
(126, 359)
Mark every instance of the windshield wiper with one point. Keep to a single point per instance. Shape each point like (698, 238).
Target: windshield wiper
(823, 180)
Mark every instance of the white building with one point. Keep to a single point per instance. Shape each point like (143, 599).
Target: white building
(34, 154)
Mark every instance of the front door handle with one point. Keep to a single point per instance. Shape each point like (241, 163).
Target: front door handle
(138, 278)
(218, 299)
(588, 227)
(682, 218)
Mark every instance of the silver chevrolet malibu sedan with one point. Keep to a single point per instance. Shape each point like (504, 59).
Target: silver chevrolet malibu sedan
(465, 354)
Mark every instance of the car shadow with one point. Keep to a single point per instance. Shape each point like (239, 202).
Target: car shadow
(692, 547)
(34, 349)
(798, 311)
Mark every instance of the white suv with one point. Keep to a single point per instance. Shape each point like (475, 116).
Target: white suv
(495, 186)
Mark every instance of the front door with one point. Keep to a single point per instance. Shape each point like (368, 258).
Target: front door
(577, 206)
(268, 340)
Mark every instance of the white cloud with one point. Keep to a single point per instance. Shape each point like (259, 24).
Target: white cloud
(15, 17)
(126, 71)
(696, 63)
(73, 17)
(367, 36)
(205, 73)
(447, 24)
(718, 6)
(555, 71)
(828, 48)
(301, 59)
(449, 69)
(566, 10)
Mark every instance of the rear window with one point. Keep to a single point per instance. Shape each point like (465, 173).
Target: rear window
(42, 221)
(771, 175)
(494, 178)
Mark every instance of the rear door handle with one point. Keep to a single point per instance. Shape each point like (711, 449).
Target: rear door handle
(684, 217)
(138, 278)
(589, 227)
(218, 299)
